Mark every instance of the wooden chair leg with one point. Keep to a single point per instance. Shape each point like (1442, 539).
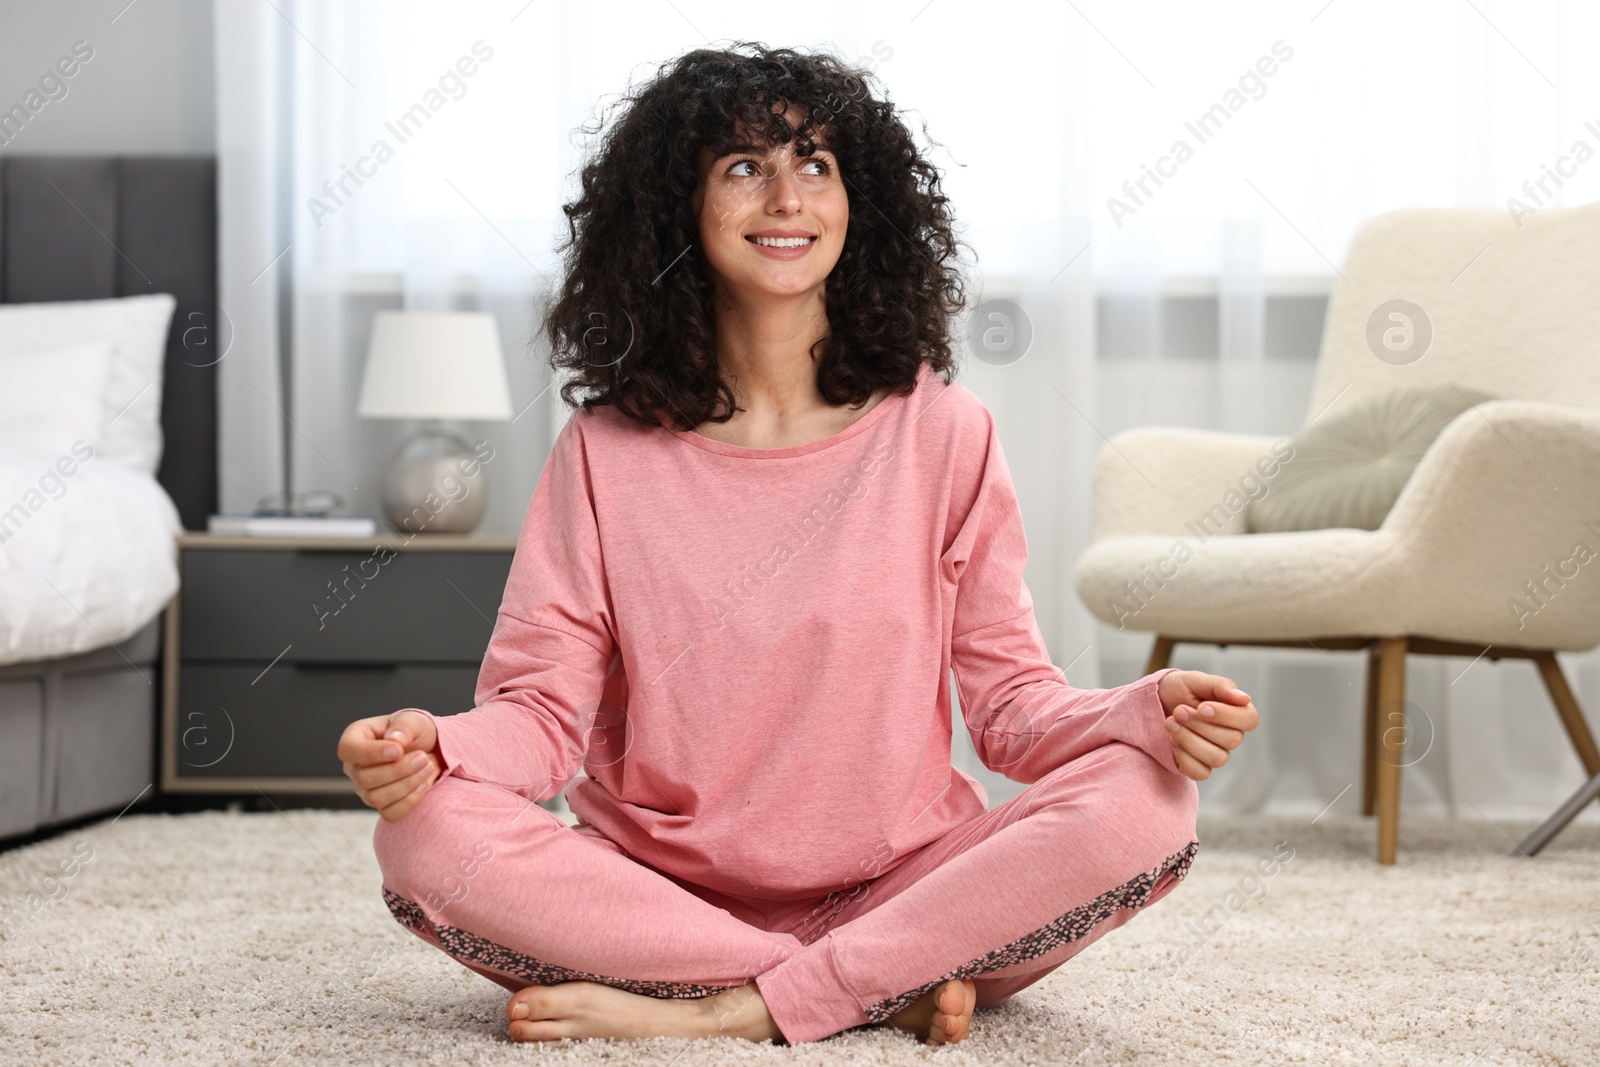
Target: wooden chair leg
(1391, 742)
(1369, 736)
(1160, 654)
(1571, 714)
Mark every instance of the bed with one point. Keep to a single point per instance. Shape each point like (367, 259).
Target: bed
(78, 654)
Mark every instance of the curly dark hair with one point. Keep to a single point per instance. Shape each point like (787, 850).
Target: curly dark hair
(633, 321)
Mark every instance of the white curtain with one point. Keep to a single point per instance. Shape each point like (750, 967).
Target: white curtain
(250, 242)
(1158, 286)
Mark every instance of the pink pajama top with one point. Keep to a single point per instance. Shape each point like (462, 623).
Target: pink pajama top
(747, 651)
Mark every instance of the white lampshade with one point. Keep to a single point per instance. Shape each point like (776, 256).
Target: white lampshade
(434, 365)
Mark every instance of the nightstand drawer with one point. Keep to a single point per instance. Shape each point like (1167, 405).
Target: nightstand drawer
(235, 722)
(340, 606)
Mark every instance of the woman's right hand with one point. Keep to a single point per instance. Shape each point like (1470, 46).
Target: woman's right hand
(392, 759)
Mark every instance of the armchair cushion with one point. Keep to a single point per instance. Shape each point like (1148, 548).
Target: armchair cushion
(1265, 587)
(1350, 465)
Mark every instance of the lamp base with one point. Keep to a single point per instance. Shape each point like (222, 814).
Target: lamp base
(427, 489)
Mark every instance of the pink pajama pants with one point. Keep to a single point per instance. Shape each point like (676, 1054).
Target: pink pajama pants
(512, 892)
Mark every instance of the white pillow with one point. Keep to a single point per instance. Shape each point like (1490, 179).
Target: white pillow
(137, 328)
(53, 398)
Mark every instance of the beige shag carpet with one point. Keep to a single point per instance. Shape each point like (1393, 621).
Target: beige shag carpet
(261, 939)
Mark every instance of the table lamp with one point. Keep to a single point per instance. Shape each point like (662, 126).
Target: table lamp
(434, 365)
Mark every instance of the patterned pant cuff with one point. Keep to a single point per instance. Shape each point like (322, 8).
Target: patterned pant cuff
(469, 948)
(1134, 893)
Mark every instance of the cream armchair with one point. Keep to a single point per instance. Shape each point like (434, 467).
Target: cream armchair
(1493, 547)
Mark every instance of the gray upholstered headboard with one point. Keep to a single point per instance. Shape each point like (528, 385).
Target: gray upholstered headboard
(89, 227)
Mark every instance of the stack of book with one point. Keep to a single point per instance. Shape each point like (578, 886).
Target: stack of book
(307, 526)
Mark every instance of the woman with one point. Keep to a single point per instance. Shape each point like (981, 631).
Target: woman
(751, 563)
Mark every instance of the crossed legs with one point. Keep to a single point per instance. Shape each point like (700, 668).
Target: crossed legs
(515, 894)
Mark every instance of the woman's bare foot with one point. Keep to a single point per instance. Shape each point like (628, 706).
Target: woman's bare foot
(941, 1016)
(592, 1009)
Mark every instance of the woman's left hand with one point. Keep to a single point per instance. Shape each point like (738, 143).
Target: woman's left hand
(1207, 716)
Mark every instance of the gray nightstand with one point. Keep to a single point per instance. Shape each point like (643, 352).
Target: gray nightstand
(273, 646)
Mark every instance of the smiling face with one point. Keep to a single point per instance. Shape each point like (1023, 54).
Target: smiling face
(771, 221)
